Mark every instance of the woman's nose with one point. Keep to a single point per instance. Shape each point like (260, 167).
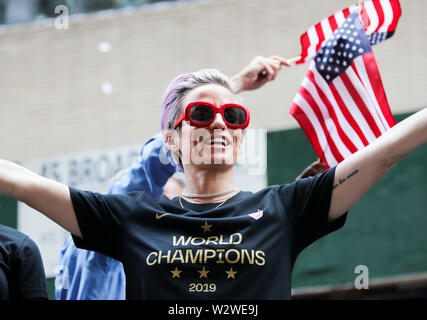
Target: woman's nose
(218, 122)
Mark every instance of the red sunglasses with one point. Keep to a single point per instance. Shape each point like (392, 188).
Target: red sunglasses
(202, 114)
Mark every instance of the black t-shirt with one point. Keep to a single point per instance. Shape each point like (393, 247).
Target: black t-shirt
(22, 274)
(243, 249)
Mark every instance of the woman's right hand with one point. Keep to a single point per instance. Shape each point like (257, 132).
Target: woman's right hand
(259, 71)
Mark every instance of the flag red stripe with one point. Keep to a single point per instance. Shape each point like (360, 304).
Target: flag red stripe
(307, 96)
(380, 13)
(397, 11)
(305, 44)
(308, 128)
(345, 139)
(333, 23)
(346, 12)
(360, 104)
(347, 114)
(377, 87)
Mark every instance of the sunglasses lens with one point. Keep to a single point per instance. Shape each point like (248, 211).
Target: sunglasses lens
(201, 114)
(235, 116)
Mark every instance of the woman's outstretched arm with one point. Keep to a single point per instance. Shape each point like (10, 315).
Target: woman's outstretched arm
(44, 195)
(359, 172)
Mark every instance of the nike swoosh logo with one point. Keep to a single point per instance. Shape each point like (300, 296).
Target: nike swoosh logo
(159, 216)
(257, 215)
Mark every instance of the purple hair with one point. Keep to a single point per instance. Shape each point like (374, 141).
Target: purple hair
(178, 88)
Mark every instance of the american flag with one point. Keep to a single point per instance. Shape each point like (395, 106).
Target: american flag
(380, 18)
(341, 104)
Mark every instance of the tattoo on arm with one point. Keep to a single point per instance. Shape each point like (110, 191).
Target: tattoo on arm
(341, 181)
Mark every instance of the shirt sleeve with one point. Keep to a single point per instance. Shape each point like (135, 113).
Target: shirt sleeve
(102, 219)
(150, 171)
(30, 283)
(307, 203)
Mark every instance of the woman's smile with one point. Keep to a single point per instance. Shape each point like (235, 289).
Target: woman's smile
(217, 141)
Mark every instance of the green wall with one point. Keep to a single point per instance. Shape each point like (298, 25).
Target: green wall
(385, 230)
(50, 283)
(8, 212)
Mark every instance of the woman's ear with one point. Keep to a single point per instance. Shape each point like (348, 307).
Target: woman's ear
(171, 138)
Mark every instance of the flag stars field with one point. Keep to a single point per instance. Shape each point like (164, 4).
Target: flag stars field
(333, 54)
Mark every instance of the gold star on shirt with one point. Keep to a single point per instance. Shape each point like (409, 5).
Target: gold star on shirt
(175, 273)
(203, 273)
(230, 273)
(206, 227)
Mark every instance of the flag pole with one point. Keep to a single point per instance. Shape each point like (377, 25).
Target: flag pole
(292, 61)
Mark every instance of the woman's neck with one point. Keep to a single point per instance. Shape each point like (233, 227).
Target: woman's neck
(208, 182)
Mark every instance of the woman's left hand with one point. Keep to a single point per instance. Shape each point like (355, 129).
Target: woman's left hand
(260, 71)
(313, 169)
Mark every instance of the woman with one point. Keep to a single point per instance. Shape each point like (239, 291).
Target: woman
(215, 241)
